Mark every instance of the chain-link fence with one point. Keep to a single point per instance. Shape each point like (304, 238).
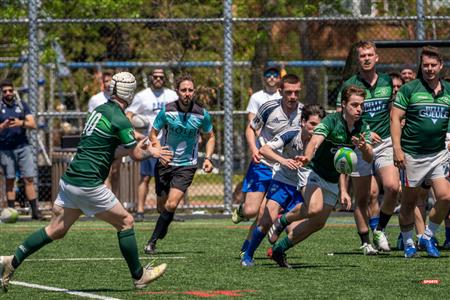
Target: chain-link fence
(55, 52)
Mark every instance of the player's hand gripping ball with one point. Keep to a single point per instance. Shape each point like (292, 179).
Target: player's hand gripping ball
(345, 160)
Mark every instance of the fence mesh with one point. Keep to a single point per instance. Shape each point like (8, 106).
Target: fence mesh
(311, 39)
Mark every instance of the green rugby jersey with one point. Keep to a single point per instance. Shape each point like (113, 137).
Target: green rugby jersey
(376, 104)
(426, 116)
(106, 128)
(334, 128)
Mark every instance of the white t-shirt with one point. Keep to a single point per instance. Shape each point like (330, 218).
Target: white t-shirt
(97, 100)
(148, 103)
(259, 98)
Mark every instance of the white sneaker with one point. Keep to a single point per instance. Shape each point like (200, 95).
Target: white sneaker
(150, 274)
(368, 249)
(380, 241)
(6, 270)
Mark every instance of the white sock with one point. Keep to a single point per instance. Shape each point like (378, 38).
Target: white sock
(408, 238)
(431, 230)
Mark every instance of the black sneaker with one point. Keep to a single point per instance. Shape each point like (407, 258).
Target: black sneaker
(38, 216)
(139, 217)
(150, 248)
(280, 259)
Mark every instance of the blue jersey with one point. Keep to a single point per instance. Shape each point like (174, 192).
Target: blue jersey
(13, 138)
(181, 131)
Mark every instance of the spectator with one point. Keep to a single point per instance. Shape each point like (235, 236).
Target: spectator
(15, 150)
(146, 105)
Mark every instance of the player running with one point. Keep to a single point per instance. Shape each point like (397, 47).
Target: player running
(82, 188)
(282, 192)
(339, 129)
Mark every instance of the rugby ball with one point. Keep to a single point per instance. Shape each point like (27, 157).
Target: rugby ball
(345, 160)
(9, 215)
(140, 121)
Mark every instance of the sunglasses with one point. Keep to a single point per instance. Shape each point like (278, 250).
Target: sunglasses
(271, 74)
(186, 90)
(8, 91)
(158, 77)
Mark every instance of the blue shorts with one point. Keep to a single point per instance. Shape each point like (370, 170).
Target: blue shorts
(21, 158)
(284, 194)
(257, 179)
(148, 167)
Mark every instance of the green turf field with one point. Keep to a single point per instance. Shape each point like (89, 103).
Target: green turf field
(203, 263)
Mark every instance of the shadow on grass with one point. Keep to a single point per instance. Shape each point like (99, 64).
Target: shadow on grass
(309, 266)
(176, 252)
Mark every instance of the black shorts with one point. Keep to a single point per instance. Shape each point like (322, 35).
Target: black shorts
(167, 177)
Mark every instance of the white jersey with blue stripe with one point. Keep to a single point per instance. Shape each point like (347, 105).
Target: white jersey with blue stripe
(271, 120)
(289, 144)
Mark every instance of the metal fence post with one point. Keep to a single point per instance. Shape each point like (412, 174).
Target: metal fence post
(420, 27)
(33, 73)
(228, 105)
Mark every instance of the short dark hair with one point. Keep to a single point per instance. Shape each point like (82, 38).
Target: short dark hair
(106, 73)
(289, 78)
(6, 82)
(313, 110)
(351, 90)
(181, 78)
(365, 45)
(396, 75)
(432, 52)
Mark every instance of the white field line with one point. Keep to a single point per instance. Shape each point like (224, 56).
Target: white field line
(101, 258)
(66, 291)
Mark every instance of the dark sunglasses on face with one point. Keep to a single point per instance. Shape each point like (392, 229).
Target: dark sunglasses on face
(186, 90)
(271, 74)
(158, 77)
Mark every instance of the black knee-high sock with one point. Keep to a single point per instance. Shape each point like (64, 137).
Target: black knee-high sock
(162, 225)
(364, 236)
(11, 203)
(384, 220)
(34, 207)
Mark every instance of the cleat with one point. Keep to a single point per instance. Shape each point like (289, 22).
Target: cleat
(280, 259)
(275, 231)
(368, 249)
(400, 245)
(247, 262)
(446, 244)
(380, 241)
(150, 248)
(139, 217)
(237, 216)
(429, 246)
(6, 270)
(269, 252)
(38, 216)
(150, 274)
(435, 241)
(410, 251)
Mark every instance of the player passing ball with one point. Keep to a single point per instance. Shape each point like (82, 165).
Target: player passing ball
(336, 130)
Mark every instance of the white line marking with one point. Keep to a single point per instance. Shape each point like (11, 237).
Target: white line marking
(55, 289)
(101, 258)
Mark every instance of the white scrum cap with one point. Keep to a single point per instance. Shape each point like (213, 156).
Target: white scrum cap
(123, 85)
